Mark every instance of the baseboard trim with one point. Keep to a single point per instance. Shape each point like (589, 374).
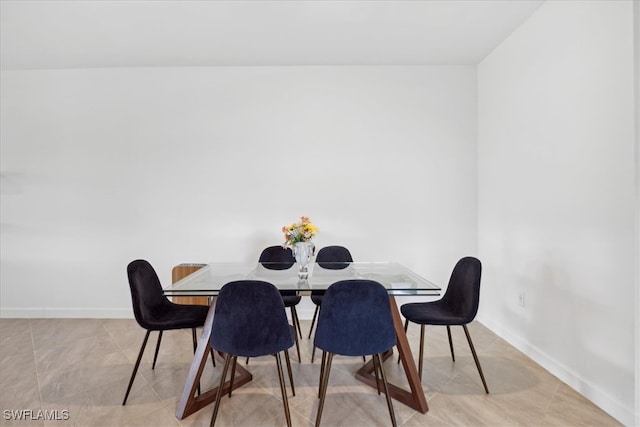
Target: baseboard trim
(304, 313)
(63, 313)
(603, 400)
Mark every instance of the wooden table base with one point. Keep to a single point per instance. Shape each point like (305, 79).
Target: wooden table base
(190, 402)
(415, 398)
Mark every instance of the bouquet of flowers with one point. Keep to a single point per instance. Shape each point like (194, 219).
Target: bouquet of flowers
(302, 231)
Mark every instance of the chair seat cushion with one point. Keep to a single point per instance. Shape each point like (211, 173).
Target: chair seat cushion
(317, 299)
(431, 313)
(291, 300)
(176, 316)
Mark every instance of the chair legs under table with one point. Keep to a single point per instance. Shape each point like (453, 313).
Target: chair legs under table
(230, 359)
(325, 371)
(155, 357)
(453, 357)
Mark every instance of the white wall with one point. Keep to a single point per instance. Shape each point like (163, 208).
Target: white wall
(557, 196)
(102, 166)
(636, 38)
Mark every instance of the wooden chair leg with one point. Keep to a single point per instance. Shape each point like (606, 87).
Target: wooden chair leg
(453, 357)
(298, 348)
(421, 352)
(283, 390)
(323, 386)
(295, 320)
(225, 368)
(213, 356)
(155, 355)
(135, 368)
(386, 391)
(194, 339)
(313, 321)
(233, 373)
(406, 326)
(322, 366)
(288, 361)
(375, 370)
(475, 358)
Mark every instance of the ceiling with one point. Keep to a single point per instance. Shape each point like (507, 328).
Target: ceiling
(147, 33)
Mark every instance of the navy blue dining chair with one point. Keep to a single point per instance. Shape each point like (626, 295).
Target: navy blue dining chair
(355, 320)
(331, 258)
(250, 321)
(280, 258)
(458, 306)
(154, 312)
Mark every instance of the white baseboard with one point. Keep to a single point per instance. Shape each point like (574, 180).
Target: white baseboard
(63, 313)
(606, 402)
(305, 312)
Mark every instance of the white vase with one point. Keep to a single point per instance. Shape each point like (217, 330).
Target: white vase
(303, 251)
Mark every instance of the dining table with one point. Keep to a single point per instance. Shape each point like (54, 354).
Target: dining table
(206, 280)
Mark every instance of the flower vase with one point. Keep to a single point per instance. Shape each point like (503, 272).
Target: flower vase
(302, 251)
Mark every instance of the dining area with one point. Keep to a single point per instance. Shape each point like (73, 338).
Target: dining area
(417, 134)
(356, 312)
(233, 349)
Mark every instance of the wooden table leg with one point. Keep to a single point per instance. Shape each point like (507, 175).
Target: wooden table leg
(414, 398)
(189, 402)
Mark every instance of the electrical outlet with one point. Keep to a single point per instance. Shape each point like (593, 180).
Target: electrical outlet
(521, 299)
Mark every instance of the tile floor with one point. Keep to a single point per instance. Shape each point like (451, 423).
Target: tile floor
(79, 369)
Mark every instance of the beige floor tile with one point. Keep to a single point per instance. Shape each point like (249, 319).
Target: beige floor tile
(471, 410)
(58, 332)
(568, 407)
(18, 368)
(18, 397)
(89, 351)
(103, 407)
(15, 336)
(56, 384)
(83, 366)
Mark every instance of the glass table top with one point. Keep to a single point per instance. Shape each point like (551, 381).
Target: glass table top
(207, 281)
